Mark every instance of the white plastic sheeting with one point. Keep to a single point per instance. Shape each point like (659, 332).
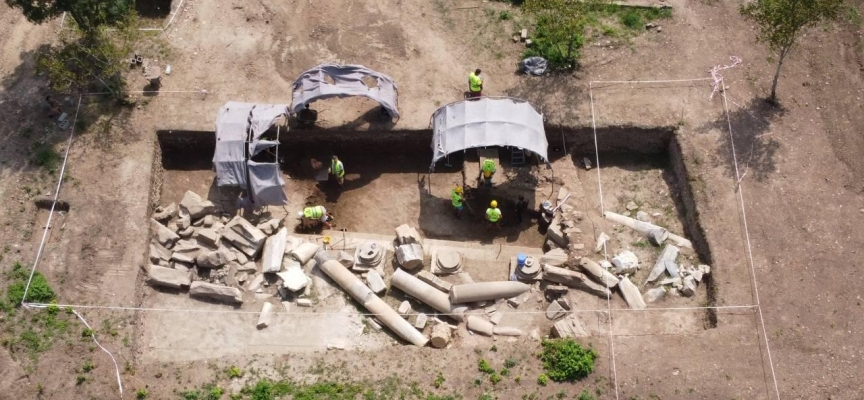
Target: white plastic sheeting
(488, 121)
(239, 125)
(333, 80)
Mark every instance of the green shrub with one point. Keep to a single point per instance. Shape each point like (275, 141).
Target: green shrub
(40, 291)
(88, 366)
(509, 363)
(631, 19)
(80, 379)
(504, 15)
(45, 156)
(141, 394)
(585, 395)
(483, 366)
(542, 380)
(495, 378)
(558, 55)
(234, 372)
(566, 360)
(439, 380)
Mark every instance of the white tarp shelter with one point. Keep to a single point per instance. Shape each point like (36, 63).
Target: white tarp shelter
(488, 121)
(239, 128)
(333, 80)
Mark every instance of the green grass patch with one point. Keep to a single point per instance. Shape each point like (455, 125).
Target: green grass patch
(45, 156)
(40, 291)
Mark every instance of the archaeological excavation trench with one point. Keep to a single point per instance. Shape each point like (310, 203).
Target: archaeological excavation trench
(388, 184)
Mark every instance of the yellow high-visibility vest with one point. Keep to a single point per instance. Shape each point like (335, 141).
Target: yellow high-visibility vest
(493, 214)
(337, 168)
(456, 198)
(313, 212)
(475, 84)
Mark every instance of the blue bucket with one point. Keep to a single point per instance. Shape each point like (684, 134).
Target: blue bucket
(520, 260)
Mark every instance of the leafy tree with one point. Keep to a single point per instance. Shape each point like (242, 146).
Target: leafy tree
(781, 22)
(89, 15)
(560, 28)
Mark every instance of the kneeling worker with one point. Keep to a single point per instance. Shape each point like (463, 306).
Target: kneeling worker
(457, 199)
(311, 216)
(493, 213)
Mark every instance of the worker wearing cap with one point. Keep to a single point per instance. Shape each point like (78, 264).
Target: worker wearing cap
(475, 84)
(337, 169)
(457, 199)
(488, 170)
(313, 215)
(493, 213)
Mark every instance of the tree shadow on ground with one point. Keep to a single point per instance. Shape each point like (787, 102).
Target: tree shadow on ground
(755, 148)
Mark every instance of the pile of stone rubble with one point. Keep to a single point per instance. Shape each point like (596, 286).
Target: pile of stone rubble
(219, 258)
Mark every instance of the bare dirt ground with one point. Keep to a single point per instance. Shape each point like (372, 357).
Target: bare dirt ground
(802, 194)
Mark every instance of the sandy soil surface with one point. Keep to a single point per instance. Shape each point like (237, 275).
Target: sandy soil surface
(802, 193)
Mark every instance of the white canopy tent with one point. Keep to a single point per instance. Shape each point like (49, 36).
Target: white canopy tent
(488, 121)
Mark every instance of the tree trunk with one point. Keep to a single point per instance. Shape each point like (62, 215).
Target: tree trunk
(783, 52)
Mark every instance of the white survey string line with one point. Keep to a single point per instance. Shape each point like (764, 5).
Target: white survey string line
(53, 203)
(749, 246)
(315, 314)
(655, 81)
(605, 255)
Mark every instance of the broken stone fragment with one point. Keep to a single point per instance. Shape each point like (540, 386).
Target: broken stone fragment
(376, 283)
(304, 252)
(244, 236)
(293, 279)
(185, 252)
(597, 272)
(274, 250)
(186, 233)
(672, 281)
(575, 280)
(212, 259)
(164, 236)
(556, 290)
(704, 269)
(158, 252)
(420, 321)
(669, 253)
(195, 206)
(480, 325)
(404, 308)
(183, 220)
(266, 316)
(345, 259)
(631, 206)
(507, 331)
(495, 318)
(689, 288)
(168, 277)
(241, 258)
(305, 303)
(657, 236)
(440, 336)
(249, 266)
(569, 327)
(270, 226)
(434, 281)
(182, 266)
(514, 302)
(643, 216)
(554, 234)
(671, 268)
(625, 262)
(696, 274)
(555, 310)
(631, 294)
(198, 222)
(209, 238)
(165, 214)
(207, 221)
(655, 295)
(554, 257)
(215, 292)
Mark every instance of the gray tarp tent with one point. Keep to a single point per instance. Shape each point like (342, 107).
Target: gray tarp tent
(488, 121)
(344, 81)
(240, 126)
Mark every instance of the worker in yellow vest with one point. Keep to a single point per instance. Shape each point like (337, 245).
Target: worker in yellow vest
(475, 84)
(487, 170)
(311, 216)
(457, 200)
(493, 214)
(337, 169)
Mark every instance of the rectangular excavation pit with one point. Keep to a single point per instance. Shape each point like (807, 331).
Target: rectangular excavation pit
(392, 182)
